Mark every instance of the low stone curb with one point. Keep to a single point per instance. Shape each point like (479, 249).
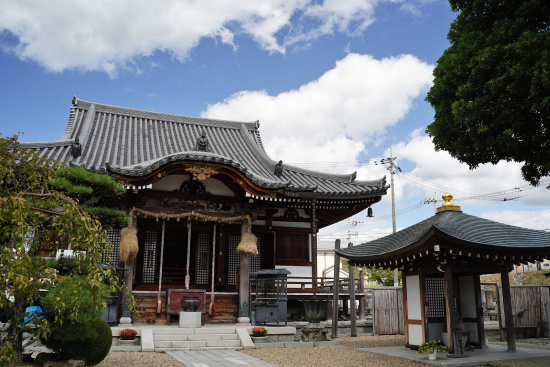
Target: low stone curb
(298, 344)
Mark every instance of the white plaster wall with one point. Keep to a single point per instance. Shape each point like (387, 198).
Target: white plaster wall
(434, 330)
(324, 261)
(173, 183)
(415, 334)
(414, 304)
(292, 224)
(472, 327)
(467, 296)
(296, 271)
(281, 212)
(216, 187)
(468, 304)
(170, 183)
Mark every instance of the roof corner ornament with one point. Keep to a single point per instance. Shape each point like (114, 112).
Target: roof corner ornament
(74, 101)
(353, 176)
(278, 171)
(76, 149)
(202, 143)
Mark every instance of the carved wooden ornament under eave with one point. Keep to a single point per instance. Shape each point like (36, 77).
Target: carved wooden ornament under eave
(202, 172)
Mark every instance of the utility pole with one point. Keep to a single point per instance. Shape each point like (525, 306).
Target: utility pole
(392, 166)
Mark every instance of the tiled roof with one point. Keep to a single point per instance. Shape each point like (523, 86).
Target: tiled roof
(457, 226)
(134, 142)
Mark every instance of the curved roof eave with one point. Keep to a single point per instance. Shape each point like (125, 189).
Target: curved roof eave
(206, 157)
(456, 227)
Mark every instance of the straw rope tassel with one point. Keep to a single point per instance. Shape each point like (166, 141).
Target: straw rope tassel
(247, 246)
(128, 244)
(159, 302)
(187, 277)
(212, 310)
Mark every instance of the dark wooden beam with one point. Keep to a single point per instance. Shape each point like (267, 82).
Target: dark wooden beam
(244, 284)
(352, 311)
(507, 303)
(479, 313)
(405, 306)
(336, 289)
(449, 307)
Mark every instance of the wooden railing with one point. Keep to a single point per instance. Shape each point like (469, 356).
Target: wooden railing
(297, 284)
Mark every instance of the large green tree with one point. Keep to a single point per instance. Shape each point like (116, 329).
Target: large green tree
(31, 215)
(491, 91)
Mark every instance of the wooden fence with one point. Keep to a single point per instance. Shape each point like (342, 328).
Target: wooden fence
(387, 305)
(530, 306)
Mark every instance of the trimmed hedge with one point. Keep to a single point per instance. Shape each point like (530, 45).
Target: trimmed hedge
(90, 343)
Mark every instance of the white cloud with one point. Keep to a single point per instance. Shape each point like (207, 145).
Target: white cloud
(331, 118)
(103, 35)
(441, 173)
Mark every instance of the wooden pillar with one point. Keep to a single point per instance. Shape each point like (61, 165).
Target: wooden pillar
(405, 307)
(244, 284)
(336, 291)
(128, 279)
(129, 273)
(449, 307)
(363, 298)
(314, 230)
(479, 313)
(507, 303)
(352, 308)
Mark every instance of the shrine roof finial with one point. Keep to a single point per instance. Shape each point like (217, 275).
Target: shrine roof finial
(448, 204)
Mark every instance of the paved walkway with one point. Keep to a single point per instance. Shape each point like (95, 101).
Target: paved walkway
(217, 358)
(474, 358)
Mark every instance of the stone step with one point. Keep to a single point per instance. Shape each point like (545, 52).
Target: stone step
(195, 337)
(197, 344)
(188, 331)
(205, 348)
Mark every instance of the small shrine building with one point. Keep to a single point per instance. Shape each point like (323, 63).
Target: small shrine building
(441, 259)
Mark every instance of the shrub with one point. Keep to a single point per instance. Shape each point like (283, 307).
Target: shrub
(89, 342)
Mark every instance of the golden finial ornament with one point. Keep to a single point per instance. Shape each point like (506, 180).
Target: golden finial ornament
(448, 204)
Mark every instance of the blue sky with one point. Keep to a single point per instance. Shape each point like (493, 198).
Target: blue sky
(334, 84)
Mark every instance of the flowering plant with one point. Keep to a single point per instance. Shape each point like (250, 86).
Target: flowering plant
(431, 347)
(128, 334)
(426, 303)
(259, 331)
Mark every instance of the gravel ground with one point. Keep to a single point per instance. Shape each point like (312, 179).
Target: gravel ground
(139, 359)
(340, 355)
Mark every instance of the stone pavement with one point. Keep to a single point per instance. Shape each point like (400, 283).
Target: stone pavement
(217, 358)
(474, 358)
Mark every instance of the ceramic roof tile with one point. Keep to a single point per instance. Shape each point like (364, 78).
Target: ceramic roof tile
(135, 142)
(457, 225)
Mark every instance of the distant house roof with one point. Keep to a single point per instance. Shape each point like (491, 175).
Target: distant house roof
(135, 143)
(456, 235)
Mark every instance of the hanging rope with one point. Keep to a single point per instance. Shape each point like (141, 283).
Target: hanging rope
(187, 277)
(159, 302)
(247, 247)
(212, 308)
(135, 212)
